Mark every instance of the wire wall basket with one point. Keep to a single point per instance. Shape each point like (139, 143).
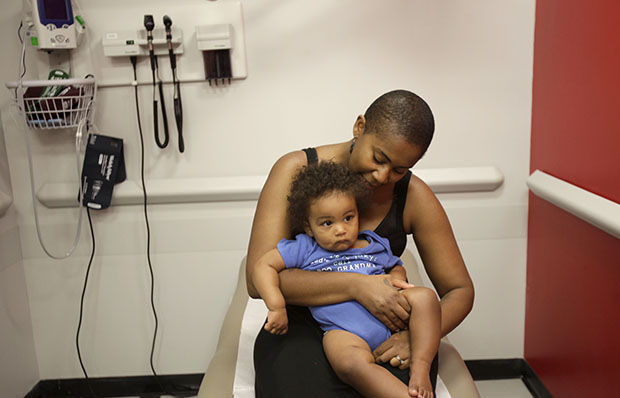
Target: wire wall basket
(54, 104)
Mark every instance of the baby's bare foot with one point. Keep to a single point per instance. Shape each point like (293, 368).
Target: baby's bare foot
(419, 380)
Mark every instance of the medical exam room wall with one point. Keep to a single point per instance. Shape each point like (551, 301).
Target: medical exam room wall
(18, 364)
(313, 66)
(573, 268)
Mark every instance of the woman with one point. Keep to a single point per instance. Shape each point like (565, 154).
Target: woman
(388, 140)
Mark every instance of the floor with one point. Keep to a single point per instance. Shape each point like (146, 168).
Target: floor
(503, 388)
(511, 388)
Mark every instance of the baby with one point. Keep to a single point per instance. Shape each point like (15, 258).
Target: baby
(324, 203)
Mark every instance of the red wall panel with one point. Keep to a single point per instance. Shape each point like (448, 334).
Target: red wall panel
(576, 93)
(572, 326)
(572, 338)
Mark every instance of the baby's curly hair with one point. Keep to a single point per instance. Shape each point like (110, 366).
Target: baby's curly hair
(317, 180)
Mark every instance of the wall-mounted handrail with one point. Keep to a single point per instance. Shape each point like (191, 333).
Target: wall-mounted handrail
(596, 210)
(5, 202)
(462, 179)
(178, 190)
(219, 189)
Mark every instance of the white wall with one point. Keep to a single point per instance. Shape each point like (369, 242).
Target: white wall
(18, 364)
(313, 66)
(19, 370)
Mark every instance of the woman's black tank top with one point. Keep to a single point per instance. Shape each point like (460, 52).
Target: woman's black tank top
(391, 227)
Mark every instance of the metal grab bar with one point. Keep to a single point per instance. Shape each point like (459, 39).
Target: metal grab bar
(593, 209)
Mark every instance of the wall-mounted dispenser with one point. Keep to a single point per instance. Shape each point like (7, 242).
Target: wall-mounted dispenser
(215, 42)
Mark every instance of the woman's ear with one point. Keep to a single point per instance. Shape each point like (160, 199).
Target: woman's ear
(359, 126)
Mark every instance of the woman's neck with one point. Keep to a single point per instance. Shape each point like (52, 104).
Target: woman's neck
(338, 153)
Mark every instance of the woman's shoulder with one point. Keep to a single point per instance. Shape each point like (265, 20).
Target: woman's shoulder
(421, 206)
(285, 168)
(290, 162)
(293, 159)
(418, 189)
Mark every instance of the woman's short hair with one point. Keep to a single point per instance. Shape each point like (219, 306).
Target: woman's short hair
(403, 113)
(318, 180)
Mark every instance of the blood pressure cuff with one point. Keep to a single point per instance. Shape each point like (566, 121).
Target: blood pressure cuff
(104, 166)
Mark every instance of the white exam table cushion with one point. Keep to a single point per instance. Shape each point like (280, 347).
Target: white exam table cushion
(253, 319)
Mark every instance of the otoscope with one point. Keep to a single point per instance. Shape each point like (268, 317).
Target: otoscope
(178, 108)
(149, 24)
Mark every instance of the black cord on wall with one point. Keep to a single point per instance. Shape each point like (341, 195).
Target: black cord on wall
(182, 391)
(176, 389)
(77, 335)
(146, 216)
(148, 252)
(19, 36)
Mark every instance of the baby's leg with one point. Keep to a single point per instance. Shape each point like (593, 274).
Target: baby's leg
(351, 358)
(425, 333)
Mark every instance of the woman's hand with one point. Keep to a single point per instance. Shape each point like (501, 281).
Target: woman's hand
(395, 350)
(379, 295)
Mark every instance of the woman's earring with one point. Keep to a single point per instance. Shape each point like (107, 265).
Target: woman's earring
(352, 145)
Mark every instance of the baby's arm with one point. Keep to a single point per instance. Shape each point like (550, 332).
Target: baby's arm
(398, 272)
(266, 281)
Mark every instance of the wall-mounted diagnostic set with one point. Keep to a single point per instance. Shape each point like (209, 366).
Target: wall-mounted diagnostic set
(207, 38)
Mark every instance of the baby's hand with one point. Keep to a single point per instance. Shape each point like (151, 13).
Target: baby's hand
(277, 321)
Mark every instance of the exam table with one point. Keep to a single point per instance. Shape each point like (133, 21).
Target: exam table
(230, 373)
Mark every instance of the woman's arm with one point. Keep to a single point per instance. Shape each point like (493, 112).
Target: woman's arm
(426, 219)
(270, 225)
